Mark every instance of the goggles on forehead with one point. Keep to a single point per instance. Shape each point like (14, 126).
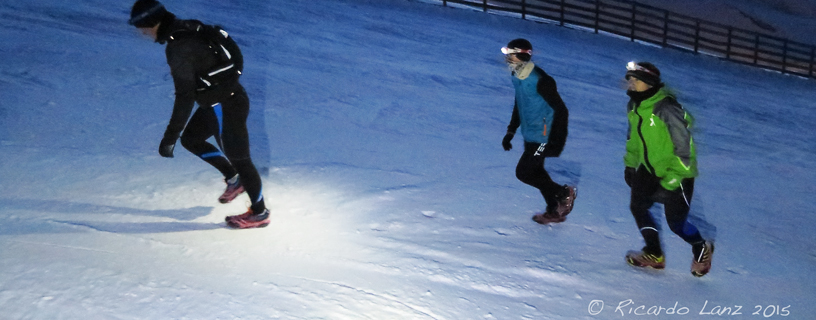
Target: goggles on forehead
(633, 66)
(507, 50)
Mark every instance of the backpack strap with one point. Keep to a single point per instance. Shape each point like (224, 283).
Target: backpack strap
(185, 29)
(229, 61)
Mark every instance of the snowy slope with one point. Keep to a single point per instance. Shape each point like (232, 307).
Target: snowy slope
(378, 126)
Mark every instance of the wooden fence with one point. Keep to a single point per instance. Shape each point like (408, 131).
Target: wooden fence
(639, 22)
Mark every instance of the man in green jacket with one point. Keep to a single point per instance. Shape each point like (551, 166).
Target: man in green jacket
(660, 167)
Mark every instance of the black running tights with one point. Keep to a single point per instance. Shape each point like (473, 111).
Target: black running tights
(530, 170)
(226, 122)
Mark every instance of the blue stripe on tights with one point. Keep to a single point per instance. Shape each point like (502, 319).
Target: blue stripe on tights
(219, 114)
(211, 155)
(260, 197)
(689, 229)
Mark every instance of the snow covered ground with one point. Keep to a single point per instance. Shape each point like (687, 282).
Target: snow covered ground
(377, 125)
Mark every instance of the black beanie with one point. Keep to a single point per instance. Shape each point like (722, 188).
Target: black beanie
(146, 13)
(646, 72)
(522, 44)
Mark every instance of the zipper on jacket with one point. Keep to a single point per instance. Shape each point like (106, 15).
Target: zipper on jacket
(544, 133)
(642, 140)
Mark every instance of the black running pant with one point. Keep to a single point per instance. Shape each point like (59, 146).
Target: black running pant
(646, 191)
(530, 170)
(226, 121)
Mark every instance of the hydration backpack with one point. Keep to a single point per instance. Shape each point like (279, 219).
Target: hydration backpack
(230, 63)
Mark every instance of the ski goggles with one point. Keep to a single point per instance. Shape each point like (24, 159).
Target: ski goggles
(507, 50)
(633, 66)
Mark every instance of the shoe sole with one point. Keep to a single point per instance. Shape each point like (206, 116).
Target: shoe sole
(223, 199)
(635, 263)
(234, 225)
(543, 220)
(698, 274)
(702, 272)
(229, 218)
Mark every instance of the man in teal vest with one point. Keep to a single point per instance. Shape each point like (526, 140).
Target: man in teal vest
(543, 118)
(661, 164)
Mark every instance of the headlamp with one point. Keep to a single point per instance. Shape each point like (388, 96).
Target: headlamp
(633, 66)
(507, 50)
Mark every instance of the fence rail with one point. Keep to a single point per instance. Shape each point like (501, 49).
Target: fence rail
(640, 22)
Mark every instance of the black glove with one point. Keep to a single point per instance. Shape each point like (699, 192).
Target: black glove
(166, 147)
(629, 175)
(506, 141)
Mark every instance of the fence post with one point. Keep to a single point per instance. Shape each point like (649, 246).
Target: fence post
(634, 11)
(444, 3)
(562, 12)
(697, 37)
(728, 43)
(484, 5)
(785, 56)
(524, 9)
(597, 15)
(756, 51)
(666, 29)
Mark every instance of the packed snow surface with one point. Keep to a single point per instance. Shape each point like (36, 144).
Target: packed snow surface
(377, 127)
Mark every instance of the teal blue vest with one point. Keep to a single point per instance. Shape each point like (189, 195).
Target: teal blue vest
(535, 113)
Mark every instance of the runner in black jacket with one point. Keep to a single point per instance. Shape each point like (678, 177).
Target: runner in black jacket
(222, 112)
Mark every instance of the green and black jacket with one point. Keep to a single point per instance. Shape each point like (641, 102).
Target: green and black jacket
(659, 138)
